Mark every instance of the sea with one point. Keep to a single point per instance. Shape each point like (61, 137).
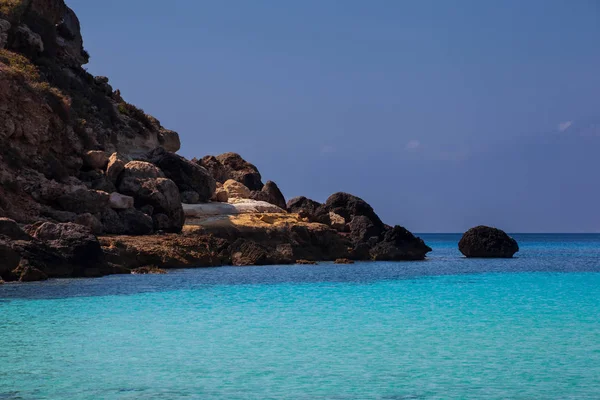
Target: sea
(444, 328)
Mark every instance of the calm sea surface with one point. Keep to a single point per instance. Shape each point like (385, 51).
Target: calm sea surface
(445, 328)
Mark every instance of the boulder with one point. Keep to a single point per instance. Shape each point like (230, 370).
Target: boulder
(303, 205)
(91, 222)
(116, 165)
(169, 140)
(188, 176)
(95, 159)
(120, 201)
(348, 207)
(136, 222)
(236, 190)
(221, 195)
(11, 230)
(111, 222)
(141, 170)
(214, 168)
(4, 28)
(190, 197)
(248, 252)
(487, 242)
(240, 170)
(83, 201)
(398, 244)
(76, 245)
(337, 222)
(271, 194)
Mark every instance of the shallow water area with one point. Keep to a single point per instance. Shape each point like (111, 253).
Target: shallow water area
(447, 327)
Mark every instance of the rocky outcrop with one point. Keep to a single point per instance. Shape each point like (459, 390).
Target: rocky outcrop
(77, 162)
(486, 242)
(188, 176)
(57, 121)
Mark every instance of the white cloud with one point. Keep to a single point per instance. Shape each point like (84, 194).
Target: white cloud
(563, 126)
(413, 144)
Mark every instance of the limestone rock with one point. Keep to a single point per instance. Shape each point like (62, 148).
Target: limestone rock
(487, 242)
(141, 170)
(245, 207)
(120, 201)
(188, 176)
(116, 165)
(221, 195)
(236, 190)
(95, 159)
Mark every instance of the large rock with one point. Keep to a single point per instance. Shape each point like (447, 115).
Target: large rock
(116, 165)
(188, 176)
(95, 159)
(347, 206)
(91, 222)
(120, 201)
(136, 222)
(160, 193)
(141, 170)
(362, 229)
(76, 244)
(486, 242)
(10, 229)
(83, 201)
(214, 168)
(241, 170)
(271, 194)
(236, 190)
(303, 205)
(398, 244)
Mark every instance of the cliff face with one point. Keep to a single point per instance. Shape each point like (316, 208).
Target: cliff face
(78, 162)
(52, 112)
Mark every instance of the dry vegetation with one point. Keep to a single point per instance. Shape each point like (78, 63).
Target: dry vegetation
(13, 9)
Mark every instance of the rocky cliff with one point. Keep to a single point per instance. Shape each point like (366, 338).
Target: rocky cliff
(78, 162)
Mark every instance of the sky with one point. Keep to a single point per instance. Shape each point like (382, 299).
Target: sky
(442, 115)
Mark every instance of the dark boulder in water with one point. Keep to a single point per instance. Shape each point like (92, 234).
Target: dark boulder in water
(487, 242)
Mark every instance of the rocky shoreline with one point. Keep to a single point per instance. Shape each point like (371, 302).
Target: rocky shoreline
(90, 185)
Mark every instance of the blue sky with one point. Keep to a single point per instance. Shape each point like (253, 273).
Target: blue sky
(442, 115)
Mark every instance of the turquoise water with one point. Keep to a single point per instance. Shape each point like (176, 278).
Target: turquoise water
(445, 328)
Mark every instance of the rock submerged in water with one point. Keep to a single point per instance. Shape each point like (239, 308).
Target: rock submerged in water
(487, 242)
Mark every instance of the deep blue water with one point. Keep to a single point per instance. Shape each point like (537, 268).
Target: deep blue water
(447, 327)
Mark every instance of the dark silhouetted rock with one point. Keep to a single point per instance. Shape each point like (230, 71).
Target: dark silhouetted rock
(11, 230)
(271, 194)
(398, 244)
(91, 222)
(190, 197)
(9, 260)
(111, 222)
(188, 176)
(27, 273)
(303, 205)
(348, 207)
(241, 170)
(214, 168)
(362, 229)
(343, 261)
(83, 201)
(487, 242)
(136, 222)
(76, 244)
(95, 159)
